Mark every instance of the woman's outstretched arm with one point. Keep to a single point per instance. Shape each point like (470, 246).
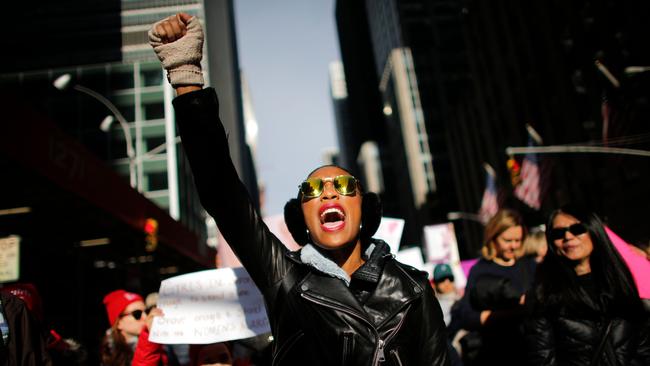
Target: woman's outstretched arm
(177, 41)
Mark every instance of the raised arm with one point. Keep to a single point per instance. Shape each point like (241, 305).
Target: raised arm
(178, 40)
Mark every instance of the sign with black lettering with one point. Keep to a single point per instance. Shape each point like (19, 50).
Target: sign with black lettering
(209, 306)
(9, 258)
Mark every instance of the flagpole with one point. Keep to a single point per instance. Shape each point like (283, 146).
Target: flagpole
(489, 169)
(574, 149)
(533, 134)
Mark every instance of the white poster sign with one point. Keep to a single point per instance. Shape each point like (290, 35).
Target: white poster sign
(9, 258)
(209, 306)
(442, 247)
(412, 257)
(390, 230)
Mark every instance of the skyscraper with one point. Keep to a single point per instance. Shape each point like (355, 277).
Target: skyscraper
(473, 74)
(104, 49)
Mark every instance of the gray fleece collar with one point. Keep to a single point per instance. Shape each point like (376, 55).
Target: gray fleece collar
(312, 257)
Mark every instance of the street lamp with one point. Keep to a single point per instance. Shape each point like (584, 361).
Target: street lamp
(63, 82)
(630, 70)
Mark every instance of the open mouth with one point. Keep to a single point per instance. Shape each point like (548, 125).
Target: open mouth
(332, 217)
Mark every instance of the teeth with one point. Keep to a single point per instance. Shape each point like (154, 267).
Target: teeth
(332, 210)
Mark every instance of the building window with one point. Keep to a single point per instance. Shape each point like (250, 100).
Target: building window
(153, 142)
(152, 77)
(154, 111)
(128, 111)
(157, 181)
(121, 80)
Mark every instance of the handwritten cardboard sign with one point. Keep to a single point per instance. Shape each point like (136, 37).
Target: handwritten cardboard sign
(9, 258)
(208, 307)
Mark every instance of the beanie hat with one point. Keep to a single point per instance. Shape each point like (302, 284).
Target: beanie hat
(117, 301)
(28, 293)
(442, 271)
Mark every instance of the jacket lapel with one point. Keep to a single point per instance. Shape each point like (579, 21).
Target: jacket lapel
(330, 292)
(395, 289)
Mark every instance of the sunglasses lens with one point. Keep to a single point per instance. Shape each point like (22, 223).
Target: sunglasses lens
(312, 187)
(577, 229)
(137, 314)
(557, 233)
(345, 184)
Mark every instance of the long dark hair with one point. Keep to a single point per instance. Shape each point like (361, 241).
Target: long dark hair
(557, 281)
(114, 348)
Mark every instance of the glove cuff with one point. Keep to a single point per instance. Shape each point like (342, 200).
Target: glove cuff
(185, 75)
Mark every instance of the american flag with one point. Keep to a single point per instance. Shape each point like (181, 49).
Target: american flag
(489, 203)
(533, 175)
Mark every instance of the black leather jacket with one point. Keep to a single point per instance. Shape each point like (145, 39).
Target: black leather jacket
(315, 319)
(563, 336)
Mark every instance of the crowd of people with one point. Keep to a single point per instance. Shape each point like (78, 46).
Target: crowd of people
(569, 301)
(557, 295)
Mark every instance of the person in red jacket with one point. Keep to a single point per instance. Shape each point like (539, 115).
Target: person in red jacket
(127, 341)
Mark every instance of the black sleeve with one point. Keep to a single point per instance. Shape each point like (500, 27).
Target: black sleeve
(463, 315)
(643, 349)
(538, 335)
(26, 344)
(221, 191)
(434, 340)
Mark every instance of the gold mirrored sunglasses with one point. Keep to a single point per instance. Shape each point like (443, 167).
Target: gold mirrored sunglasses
(313, 187)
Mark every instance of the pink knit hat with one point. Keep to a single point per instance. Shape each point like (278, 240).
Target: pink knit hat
(117, 301)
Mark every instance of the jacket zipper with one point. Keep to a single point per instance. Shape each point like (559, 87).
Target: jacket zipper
(396, 357)
(392, 335)
(379, 355)
(338, 307)
(348, 344)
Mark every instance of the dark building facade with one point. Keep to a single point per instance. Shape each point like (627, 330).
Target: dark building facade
(484, 70)
(82, 232)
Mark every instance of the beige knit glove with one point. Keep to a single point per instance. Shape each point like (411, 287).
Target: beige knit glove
(182, 57)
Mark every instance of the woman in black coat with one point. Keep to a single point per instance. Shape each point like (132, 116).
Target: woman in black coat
(492, 308)
(585, 306)
(340, 300)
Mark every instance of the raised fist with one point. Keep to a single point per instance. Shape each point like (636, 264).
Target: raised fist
(178, 43)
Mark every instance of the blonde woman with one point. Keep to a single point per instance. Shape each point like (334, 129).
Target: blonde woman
(492, 308)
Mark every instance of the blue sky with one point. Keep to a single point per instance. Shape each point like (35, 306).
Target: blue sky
(285, 47)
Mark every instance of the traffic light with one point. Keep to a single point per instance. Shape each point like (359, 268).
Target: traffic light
(515, 171)
(151, 231)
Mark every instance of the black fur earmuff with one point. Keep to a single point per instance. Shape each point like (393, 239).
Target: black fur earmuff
(370, 218)
(295, 221)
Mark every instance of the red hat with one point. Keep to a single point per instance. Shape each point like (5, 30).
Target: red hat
(28, 293)
(117, 301)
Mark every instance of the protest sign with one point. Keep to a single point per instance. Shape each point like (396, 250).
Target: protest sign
(9, 258)
(208, 307)
(390, 230)
(412, 257)
(638, 265)
(442, 247)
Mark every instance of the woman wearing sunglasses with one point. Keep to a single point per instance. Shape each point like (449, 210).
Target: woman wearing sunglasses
(340, 300)
(585, 306)
(127, 341)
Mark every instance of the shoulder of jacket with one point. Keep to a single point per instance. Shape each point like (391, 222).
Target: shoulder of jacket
(418, 275)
